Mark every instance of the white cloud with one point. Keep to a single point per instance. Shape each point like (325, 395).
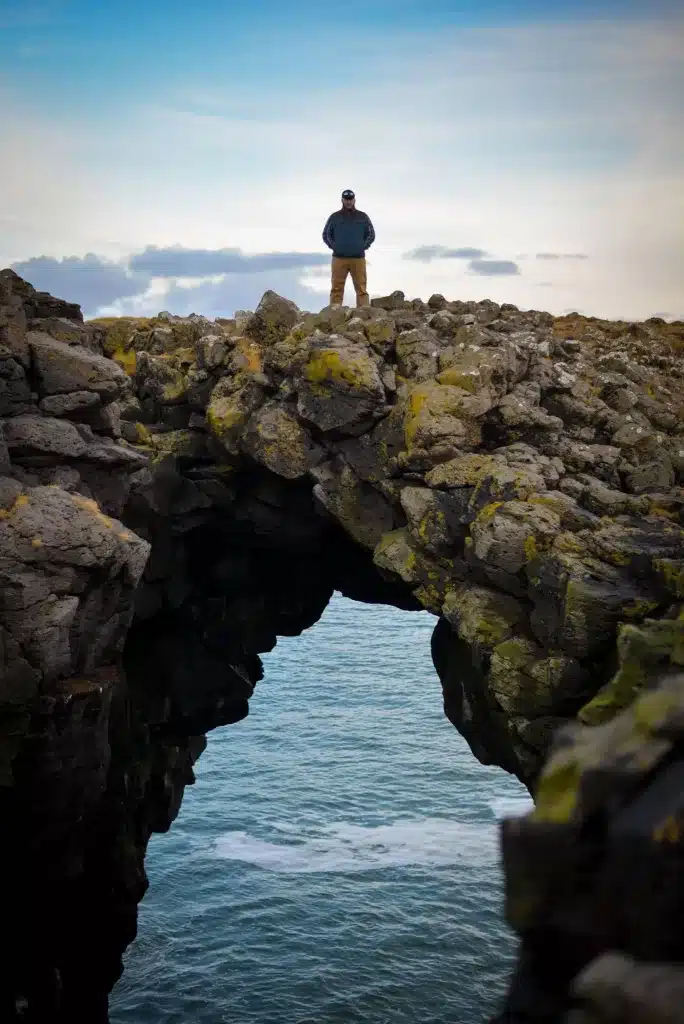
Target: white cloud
(563, 139)
(146, 303)
(219, 295)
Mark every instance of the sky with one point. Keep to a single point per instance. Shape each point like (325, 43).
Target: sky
(167, 155)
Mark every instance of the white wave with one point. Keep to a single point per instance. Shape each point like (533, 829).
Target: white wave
(347, 848)
(510, 806)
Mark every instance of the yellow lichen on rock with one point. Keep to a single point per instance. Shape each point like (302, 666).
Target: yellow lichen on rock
(432, 413)
(466, 380)
(247, 356)
(19, 502)
(487, 512)
(418, 397)
(118, 341)
(289, 355)
(181, 443)
(464, 471)
(427, 576)
(275, 438)
(557, 794)
(567, 543)
(499, 481)
(329, 365)
(531, 549)
(672, 574)
(634, 737)
(126, 359)
(642, 650)
(483, 617)
(224, 415)
(379, 333)
(175, 386)
(90, 505)
(652, 710)
(231, 403)
(143, 435)
(395, 553)
(639, 608)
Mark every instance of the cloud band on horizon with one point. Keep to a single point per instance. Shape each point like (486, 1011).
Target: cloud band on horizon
(476, 261)
(222, 279)
(428, 253)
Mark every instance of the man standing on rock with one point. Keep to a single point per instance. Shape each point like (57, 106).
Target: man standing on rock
(349, 233)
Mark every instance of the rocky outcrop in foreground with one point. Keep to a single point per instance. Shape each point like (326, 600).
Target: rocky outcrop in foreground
(176, 493)
(594, 875)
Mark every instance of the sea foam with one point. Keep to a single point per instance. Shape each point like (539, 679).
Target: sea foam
(349, 848)
(510, 806)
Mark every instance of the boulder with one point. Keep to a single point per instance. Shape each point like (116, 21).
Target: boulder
(63, 368)
(273, 318)
(340, 388)
(274, 437)
(364, 512)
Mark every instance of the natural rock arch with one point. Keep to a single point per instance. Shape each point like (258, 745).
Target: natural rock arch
(177, 492)
(519, 483)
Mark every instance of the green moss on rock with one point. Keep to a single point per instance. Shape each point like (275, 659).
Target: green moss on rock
(464, 471)
(224, 414)
(181, 443)
(483, 617)
(396, 554)
(467, 381)
(557, 794)
(119, 334)
(275, 438)
(434, 412)
(380, 333)
(175, 386)
(672, 574)
(643, 650)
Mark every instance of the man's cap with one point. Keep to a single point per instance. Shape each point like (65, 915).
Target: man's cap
(347, 194)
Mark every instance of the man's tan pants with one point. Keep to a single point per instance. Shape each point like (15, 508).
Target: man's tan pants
(340, 269)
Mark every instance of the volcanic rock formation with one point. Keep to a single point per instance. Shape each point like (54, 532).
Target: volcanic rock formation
(176, 493)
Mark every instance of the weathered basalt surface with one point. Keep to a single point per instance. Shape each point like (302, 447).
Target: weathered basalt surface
(177, 493)
(594, 875)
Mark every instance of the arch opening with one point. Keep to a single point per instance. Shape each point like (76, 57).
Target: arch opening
(344, 827)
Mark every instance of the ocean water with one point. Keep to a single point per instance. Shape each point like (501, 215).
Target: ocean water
(337, 860)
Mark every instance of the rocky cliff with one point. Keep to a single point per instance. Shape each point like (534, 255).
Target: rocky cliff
(176, 493)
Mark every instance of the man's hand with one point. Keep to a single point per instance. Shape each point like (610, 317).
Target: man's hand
(328, 233)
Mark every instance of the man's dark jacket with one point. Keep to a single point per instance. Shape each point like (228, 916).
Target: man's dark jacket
(348, 233)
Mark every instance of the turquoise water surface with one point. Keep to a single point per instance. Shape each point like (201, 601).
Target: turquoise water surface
(337, 860)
